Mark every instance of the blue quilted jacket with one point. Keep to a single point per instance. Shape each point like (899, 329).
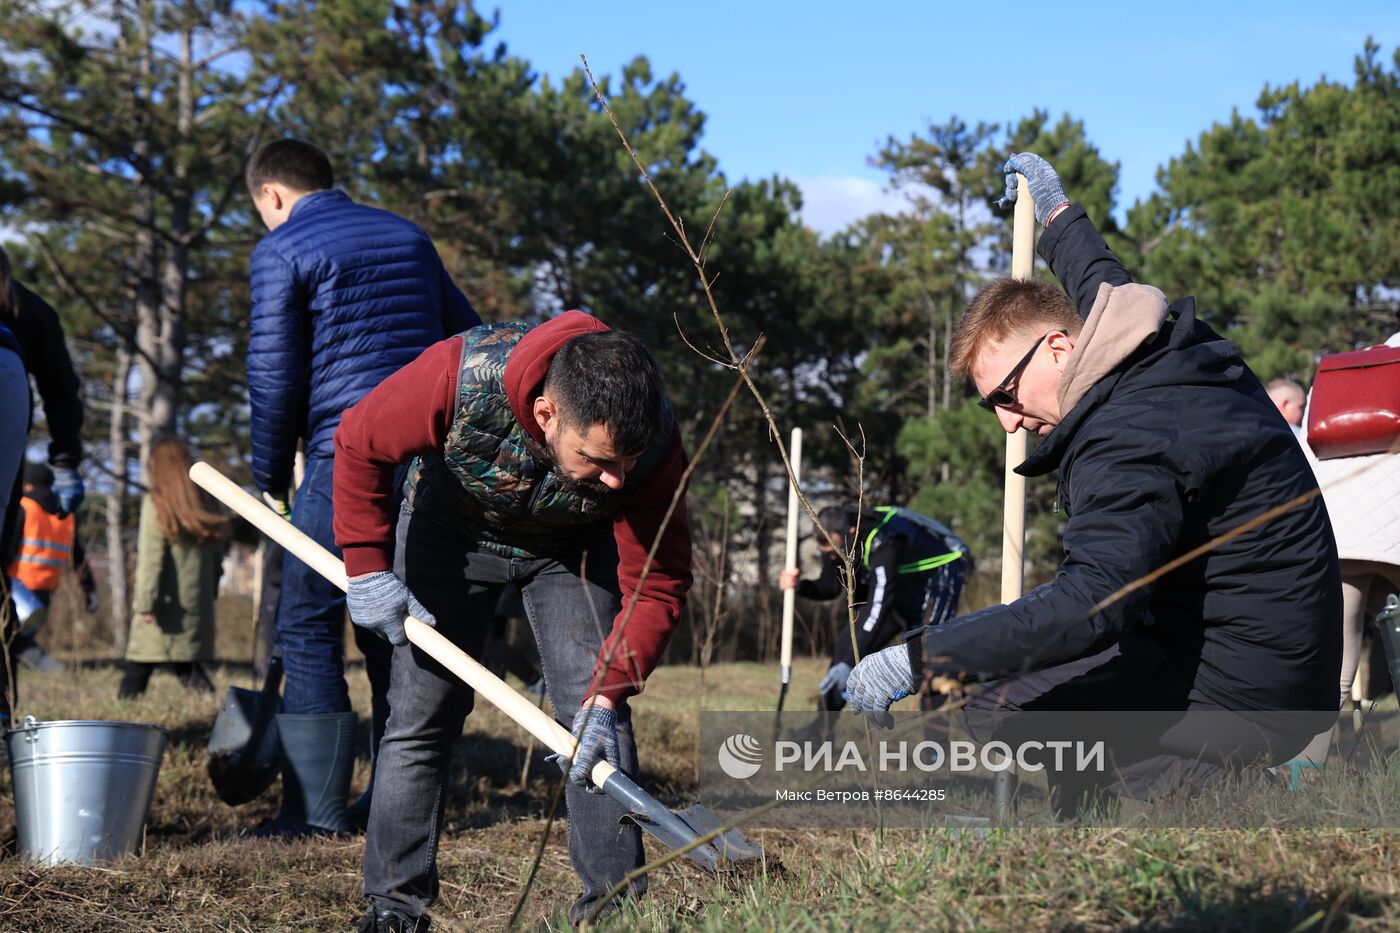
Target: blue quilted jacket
(343, 295)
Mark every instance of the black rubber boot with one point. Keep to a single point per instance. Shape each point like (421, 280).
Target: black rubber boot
(193, 676)
(135, 677)
(318, 753)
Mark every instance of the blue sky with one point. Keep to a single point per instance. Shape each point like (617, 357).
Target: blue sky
(809, 90)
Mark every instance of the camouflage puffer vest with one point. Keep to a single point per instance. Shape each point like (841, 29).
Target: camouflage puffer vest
(493, 481)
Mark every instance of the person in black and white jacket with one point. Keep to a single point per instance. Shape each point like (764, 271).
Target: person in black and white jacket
(910, 572)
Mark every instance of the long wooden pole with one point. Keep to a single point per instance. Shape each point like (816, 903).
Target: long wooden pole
(1013, 528)
(487, 685)
(1013, 534)
(790, 563)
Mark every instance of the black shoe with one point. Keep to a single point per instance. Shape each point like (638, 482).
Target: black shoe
(135, 677)
(380, 919)
(37, 659)
(283, 826)
(196, 678)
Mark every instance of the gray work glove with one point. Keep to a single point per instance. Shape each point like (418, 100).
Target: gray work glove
(1041, 178)
(379, 601)
(68, 489)
(595, 727)
(835, 677)
(880, 679)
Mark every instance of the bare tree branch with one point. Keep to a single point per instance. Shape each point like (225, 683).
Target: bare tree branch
(694, 257)
(125, 329)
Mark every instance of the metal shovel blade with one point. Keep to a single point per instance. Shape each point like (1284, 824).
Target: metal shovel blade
(678, 830)
(732, 844)
(244, 752)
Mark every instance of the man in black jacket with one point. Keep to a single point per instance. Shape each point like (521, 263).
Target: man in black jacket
(1200, 571)
(36, 326)
(14, 432)
(39, 333)
(910, 571)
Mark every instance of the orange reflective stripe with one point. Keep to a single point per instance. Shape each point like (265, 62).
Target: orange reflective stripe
(45, 549)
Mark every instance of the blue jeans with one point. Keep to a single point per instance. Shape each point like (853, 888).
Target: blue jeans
(311, 615)
(570, 604)
(14, 431)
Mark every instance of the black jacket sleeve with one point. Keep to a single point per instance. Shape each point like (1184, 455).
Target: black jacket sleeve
(826, 586)
(1129, 500)
(875, 607)
(1080, 258)
(41, 335)
(879, 599)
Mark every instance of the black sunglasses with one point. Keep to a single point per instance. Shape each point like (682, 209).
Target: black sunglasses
(1001, 396)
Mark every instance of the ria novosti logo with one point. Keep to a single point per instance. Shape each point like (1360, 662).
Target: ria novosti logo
(740, 756)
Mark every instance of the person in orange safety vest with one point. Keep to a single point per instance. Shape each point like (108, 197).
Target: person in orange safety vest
(48, 546)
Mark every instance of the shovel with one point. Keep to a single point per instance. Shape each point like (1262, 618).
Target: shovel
(725, 850)
(790, 563)
(243, 749)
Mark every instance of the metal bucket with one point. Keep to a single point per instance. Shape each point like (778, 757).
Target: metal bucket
(83, 789)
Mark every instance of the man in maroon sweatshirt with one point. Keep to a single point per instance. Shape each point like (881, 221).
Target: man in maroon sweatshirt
(545, 457)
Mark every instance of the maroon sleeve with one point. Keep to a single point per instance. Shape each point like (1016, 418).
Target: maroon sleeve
(632, 653)
(407, 414)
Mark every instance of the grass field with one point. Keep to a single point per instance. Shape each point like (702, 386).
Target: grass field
(198, 873)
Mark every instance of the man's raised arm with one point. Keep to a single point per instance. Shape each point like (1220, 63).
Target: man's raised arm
(1071, 244)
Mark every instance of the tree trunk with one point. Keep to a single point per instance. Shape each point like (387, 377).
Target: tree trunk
(947, 351)
(933, 360)
(174, 264)
(116, 507)
(148, 338)
(171, 343)
(147, 257)
(164, 270)
(944, 468)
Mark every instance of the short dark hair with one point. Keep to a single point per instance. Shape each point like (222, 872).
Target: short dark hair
(608, 378)
(291, 162)
(837, 519)
(1005, 307)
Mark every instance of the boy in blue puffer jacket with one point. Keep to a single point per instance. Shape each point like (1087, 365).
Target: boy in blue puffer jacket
(343, 296)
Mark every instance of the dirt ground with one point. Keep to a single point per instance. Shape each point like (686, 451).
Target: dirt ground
(198, 871)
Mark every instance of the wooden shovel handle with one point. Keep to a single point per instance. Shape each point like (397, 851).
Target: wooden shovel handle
(1013, 529)
(486, 684)
(790, 551)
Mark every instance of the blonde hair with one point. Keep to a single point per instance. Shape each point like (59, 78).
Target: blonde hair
(182, 508)
(1005, 307)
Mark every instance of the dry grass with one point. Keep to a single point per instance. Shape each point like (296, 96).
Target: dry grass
(198, 873)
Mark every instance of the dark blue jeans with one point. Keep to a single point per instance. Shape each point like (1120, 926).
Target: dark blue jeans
(311, 616)
(14, 429)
